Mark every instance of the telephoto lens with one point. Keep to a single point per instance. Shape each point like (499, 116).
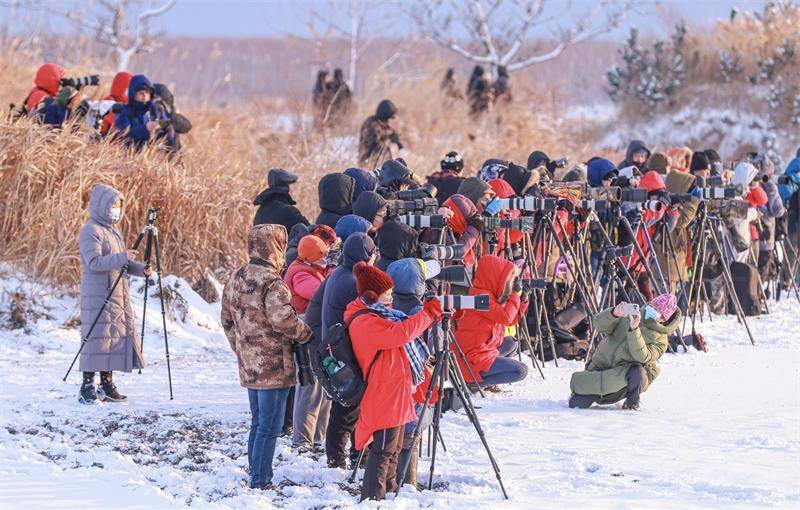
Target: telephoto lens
(528, 203)
(456, 275)
(419, 221)
(427, 190)
(637, 195)
(592, 204)
(453, 303)
(426, 206)
(653, 205)
(442, 252)
(302, 358)
(619, 251)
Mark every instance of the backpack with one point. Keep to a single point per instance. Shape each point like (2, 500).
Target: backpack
(336, 365)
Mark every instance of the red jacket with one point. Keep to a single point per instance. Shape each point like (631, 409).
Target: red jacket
(303, 281)
(388, 401)
(756, 196)
(45, 85)
(480, 333)
(119, 93)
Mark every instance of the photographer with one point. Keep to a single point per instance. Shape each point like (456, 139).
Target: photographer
(362, 181)
(769, 214)
(481, 335)
(479, 192)
(377, 135)
(636, 155)
(119, 94)
(45, 85)
(395, 241)
(520, 178)
(625, 363)
(449, 178)
(140, 121)
(393, 361)
(261, 325)
(465, 224)
(600, 172)
(340, 290)
(275, 204)
(372, 207)
(335, 193)
(672, 253)
(395, 176)
(54, 112)
(177, 124)
(113, 344)
(744, 230)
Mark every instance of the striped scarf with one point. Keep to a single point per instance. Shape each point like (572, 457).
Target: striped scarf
(416, 350)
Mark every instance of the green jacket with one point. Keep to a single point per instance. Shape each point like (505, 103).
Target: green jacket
(608, 369)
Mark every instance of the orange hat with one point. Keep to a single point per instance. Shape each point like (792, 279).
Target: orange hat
(312, 249)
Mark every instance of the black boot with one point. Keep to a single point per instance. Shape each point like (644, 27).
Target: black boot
(87, 394)
(107, 391)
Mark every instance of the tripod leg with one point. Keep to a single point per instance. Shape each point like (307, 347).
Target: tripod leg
(163, 311)
(144, 315)
(729, 283)
(354, 473)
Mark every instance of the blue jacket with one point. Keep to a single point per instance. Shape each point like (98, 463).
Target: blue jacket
(132, 121)
(596, 169)
(792, 172)
(53, 114)
(340, 288)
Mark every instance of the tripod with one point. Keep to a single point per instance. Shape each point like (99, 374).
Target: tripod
(446, 368)
(151, 244)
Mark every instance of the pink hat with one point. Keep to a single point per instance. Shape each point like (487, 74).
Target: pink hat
(665, 304)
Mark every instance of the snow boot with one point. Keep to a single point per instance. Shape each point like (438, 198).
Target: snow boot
(87, 394)
(107, 391)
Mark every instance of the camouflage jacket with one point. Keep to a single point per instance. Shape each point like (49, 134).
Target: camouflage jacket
(375, 135)
(258, 317)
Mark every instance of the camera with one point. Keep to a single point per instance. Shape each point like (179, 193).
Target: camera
(452, 303)
(618, 251)
(592, 204)
(442, 252)
(558, 163)
(610, 194)
(635, 195)
(456, 275)
(427, 190)
(719, 193)
(80, 81)
(423, 206)
(652, 205)
(493, 224)
(302, 358)
(528, 203)
(419, 221)
(731, 208)
(529, 284)
(675, 199)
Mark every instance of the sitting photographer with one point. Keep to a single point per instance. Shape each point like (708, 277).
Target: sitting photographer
(275, 204)
(393, 361)
(140, 121)
(625, 363)
(261, 325)
(335, 192)
(481, 335)
(54, 112)
(46, 85)
(449, 178)
(118, 94)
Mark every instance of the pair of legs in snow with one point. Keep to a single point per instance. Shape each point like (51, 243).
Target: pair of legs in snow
(505, 369)
(637, 377)
(106, 392)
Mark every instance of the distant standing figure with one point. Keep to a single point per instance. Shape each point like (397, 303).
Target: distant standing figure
(321, 96)
(450, 85)
(502, 86)
(341, 99)
(376, 135)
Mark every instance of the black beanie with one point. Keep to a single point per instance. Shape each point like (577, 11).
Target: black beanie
(712, 155)
(699, 162)
(452, 161)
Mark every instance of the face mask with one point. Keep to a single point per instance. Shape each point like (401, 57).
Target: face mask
(651, 313)
(116, 214)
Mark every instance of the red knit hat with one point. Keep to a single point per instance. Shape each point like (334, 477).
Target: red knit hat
(312, 249)
(325, 233)
(371, 282)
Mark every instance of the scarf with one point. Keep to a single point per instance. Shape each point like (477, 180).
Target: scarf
(416, 350)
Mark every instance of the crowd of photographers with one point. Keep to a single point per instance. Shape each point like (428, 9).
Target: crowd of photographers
(354, 301)
(136, 111)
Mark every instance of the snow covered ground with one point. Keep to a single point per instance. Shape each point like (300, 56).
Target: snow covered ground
(716, 430)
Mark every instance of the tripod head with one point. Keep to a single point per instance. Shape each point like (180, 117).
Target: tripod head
(152, 215)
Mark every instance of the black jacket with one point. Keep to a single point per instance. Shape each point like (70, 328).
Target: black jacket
(335, 198)
(276, 206)
(446, 185)
(395, 241)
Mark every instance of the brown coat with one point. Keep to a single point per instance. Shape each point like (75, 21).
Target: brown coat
(257, 314)
(678, 183)
(375, 136)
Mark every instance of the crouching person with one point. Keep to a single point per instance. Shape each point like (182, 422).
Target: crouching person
(113, 344)
(261, 325)
(626, 362)
(393, 361)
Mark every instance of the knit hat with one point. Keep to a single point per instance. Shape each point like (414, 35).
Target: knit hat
(699, 162)
(371, 282)
(493, 168)
(659, 162)
(452, 161)
(312, 249)
(325, 233)
(65, 95)
(665, 304)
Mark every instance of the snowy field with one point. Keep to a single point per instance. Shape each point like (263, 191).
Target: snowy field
(716, 430)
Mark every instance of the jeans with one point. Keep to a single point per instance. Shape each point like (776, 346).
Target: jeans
(268, 408)
(508, 347)
(503, 371)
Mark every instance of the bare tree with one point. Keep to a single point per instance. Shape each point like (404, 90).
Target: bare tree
(499, 33)
(122, 25)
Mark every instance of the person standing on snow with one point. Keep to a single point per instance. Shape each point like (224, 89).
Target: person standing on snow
(113, 344)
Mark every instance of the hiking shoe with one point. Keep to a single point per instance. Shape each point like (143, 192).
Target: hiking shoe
(87, 394)
(107, 392)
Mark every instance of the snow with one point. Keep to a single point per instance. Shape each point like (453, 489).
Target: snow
(716, 430)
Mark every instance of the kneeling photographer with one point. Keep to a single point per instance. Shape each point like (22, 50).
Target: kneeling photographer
(481, 334)
(625, 363)
(393, 361)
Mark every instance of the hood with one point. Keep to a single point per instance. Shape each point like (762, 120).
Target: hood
(270, 194)
(491, 276)
(336, 193)
(679, 182)
(634, 147)
(596, 169)
(119, 86)
(744, 173)
(652, 181)
(103, 197)
(47, 78)
(363, 180)
(501, 188)
(162, 91)
(408, 276)
(394, 172)
(385, 110)
(463, 209)
(268, 242)
(537, 159)
(350, 224)
(298, 231)
(473, 188)
(368, 204)
(518, 177)
(138, 82)
(359, 247)
(575, 174)
(396, 240)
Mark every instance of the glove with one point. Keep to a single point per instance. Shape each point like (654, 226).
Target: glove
(477, 223)
(433, 307)
(493, 207)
